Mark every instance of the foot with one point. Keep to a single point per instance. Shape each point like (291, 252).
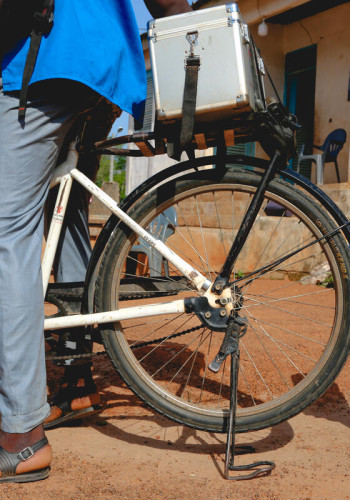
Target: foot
(17, 442)
(91, 401)
(77, 398)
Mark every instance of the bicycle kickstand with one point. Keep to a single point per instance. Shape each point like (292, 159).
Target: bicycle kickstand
(260, 468)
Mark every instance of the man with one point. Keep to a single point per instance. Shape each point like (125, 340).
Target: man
(93, 50)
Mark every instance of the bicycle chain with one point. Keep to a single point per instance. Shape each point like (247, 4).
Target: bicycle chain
(143, 344)
(149, 295)
(174, 335)
(75, 356)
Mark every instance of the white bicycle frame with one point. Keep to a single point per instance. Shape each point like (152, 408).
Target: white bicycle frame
(64, 176)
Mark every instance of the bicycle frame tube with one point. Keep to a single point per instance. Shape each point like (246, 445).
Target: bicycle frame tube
(200, 281)
(64, 175)
(223, 277)
(67, 168)
(174, 307)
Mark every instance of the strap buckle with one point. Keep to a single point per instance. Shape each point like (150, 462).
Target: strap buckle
(26, 454)
(192, 38)
(43, 23)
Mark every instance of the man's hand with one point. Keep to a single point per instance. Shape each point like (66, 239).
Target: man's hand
(163, 8)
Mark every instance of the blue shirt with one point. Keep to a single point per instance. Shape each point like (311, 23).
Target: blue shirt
(95, 42)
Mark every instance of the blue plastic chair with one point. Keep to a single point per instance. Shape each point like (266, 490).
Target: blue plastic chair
(161, 228)
(330, 149)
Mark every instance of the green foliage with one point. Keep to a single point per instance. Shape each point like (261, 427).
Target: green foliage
(239, 274)
(119, 163)
(328, 282)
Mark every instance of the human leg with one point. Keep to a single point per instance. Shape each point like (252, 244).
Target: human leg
(78, 395)
(29, 152)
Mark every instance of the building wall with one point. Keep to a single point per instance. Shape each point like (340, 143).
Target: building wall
(330, 31)
(254, 10)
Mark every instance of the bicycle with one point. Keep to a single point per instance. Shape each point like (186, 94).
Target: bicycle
(164, 348)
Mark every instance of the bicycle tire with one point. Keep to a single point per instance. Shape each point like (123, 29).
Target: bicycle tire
(263, 401)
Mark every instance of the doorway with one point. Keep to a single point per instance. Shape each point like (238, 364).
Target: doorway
(300, 68)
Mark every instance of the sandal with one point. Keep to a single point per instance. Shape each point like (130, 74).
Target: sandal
(69, 414)
(9, 462)
(63, 400)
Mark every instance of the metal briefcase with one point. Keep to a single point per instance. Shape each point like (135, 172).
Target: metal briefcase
(229, 81)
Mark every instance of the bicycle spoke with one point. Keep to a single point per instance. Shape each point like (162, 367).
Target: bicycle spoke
(241, 370)
(279, 309)
(205, 369)
(293, 327)
(203, 240)
(269, 355)
(188, 359)
(256, 368)
(289, 331)
(191, 369)
(280, 349)
(192, 245)
(162, 342)
(279, 341)
(161, 327)
(220, 226)
(289, 298)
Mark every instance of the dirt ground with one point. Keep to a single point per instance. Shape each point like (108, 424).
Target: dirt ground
(130, 452)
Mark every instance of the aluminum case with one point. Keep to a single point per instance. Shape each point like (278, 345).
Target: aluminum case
(229, 82)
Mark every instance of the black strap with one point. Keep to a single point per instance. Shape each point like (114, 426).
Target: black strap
(43, 22)
(189, 101)
(35, 41)
(176, 147)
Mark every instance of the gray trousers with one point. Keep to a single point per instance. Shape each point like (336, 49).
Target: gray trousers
(28, 154)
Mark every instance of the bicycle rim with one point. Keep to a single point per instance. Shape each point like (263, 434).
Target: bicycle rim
(296, 341)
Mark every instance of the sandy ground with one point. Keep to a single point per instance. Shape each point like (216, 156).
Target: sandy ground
(129, 452)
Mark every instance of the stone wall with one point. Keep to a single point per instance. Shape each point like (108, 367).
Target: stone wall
(270, 238)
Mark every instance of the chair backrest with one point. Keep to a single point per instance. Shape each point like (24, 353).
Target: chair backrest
(164, 225)
(333, 144)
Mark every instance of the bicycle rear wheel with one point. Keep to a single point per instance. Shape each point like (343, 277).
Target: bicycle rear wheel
(298, 322)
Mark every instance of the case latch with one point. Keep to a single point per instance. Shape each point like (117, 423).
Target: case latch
(192, 38)
(261, 65)
(245, 32)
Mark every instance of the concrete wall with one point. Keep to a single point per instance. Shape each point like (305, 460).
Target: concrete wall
(198, 233)
(254, 10)
(330, 31)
